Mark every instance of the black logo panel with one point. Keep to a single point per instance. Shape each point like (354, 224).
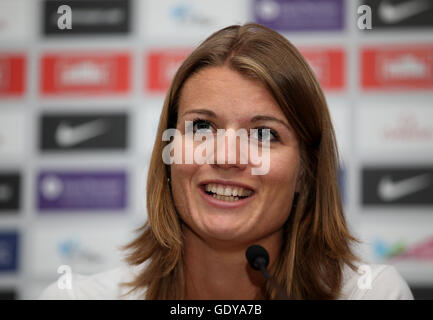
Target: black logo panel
(388, 14)
(87, 17)
(10, 191)
(390, 186)
(83, 132)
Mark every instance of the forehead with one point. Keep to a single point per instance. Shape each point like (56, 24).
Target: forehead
(227, 91)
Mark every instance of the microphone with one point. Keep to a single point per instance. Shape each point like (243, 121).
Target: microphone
(258, 258)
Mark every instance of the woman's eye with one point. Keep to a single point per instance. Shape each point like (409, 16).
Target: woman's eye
(201, 126)
(267, 134)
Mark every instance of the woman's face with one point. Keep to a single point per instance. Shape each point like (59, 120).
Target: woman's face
(220, 98)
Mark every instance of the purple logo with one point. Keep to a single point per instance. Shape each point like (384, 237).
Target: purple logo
(82, 190)
(300, 15)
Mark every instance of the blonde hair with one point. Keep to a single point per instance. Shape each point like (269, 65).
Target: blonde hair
(317, 241)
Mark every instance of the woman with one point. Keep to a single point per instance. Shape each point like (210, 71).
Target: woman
(202, 217)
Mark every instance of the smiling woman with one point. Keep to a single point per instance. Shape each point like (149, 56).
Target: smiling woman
(202, 217)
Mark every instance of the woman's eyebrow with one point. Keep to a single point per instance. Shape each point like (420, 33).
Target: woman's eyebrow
(269, 118)
(256, 118)
(201, 111)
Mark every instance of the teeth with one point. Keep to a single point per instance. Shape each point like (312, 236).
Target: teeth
(225, 198)
(241, 191)
(227, 191)
(220, 190)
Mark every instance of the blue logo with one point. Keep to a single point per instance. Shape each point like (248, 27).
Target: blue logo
(74, 250)
(8, 251)
(186, 14)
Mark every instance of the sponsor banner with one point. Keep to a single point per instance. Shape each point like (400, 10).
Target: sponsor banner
(396, 128)
(387, 186)
(397, 67)
(398, 14)
(82, 190)
(328, 64)
(300, 15)
(8, 251)
(12, 133)
(15, 22)
(10, 185)
(12, 74)
(402, 250)
(404, 244)
(85, 73)
(161, 66)
(85, 247)
(89, 17)
(73, 132)
(193, 19)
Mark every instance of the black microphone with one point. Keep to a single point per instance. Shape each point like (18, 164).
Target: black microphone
(258, 258)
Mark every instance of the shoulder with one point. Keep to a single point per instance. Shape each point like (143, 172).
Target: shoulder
(105, 285)
(374, 282)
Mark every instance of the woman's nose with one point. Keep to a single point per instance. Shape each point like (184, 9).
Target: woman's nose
(231, 149)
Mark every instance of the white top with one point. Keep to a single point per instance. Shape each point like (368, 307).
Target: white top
(370, 282)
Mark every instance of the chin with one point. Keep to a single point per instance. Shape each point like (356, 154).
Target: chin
(223, 235)
(218, 231)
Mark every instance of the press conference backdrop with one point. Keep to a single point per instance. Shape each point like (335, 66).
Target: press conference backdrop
(79, 110)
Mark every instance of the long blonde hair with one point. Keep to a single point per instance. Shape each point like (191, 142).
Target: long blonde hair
(317, 241)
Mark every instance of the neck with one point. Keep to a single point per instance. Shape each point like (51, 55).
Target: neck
(218, 271)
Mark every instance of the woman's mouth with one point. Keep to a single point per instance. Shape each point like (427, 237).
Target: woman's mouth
(226, 193)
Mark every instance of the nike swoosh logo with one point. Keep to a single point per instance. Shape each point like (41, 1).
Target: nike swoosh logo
(389, 190)
(5, 192)
(394, 13)
(69, 136)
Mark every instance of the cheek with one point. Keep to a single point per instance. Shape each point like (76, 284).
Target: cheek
(284, 169)
(180, 170)
(181, 183)
(281, 184)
